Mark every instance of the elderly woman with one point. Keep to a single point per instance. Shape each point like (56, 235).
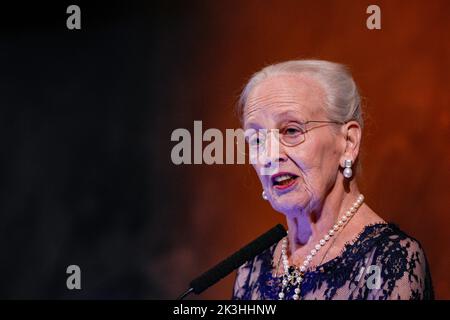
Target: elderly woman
(337, 247)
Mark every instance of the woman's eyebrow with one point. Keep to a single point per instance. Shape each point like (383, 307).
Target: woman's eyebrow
(288, 114)
(253, 125)
(279, 119)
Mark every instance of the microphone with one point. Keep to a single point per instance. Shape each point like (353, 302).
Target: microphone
(234, 261)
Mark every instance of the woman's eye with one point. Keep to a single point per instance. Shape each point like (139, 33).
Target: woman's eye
(290, 131)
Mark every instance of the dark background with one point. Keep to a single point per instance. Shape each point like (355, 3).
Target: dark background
(86, 121)
(86, 118)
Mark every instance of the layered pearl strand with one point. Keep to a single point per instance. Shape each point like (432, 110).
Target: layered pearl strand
(297, 276)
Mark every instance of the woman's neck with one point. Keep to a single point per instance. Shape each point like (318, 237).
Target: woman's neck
(310, 225)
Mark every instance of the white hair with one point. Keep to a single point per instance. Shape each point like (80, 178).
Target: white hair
(342, 99)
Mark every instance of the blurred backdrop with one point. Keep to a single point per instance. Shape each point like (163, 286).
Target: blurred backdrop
(86, 118)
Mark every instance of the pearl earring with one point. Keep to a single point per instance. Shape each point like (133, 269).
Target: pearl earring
(348, 168)
(264, 195)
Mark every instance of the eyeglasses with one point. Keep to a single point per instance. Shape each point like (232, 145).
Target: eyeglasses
(291, 135)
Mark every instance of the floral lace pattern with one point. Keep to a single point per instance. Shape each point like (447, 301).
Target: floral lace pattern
(403, 271)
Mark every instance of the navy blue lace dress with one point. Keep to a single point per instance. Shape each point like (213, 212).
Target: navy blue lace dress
(381, 263)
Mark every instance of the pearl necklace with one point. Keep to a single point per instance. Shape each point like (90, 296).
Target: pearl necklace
(298, 274)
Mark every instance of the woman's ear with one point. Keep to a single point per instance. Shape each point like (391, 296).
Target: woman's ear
(352, 135)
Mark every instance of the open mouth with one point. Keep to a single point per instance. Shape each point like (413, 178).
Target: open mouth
(283, 180)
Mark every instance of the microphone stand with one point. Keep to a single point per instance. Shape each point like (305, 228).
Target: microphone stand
(185, 294)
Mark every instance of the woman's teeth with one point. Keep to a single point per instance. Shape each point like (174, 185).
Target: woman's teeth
(283, 179)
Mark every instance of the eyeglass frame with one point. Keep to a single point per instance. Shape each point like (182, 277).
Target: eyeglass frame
(305, 130)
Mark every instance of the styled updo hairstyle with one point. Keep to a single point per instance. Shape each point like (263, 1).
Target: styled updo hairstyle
(343, 102)
(342, 98)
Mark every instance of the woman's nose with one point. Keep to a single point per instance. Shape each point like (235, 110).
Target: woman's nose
(271, 160)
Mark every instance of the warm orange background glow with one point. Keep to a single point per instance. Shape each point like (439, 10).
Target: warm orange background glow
(403, 73)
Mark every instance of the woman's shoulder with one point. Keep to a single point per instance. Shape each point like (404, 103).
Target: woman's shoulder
(386, 234)
(383, 239)
(400, 258)
(385, 245)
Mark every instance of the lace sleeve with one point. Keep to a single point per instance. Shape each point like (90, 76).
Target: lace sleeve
(403, 271)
